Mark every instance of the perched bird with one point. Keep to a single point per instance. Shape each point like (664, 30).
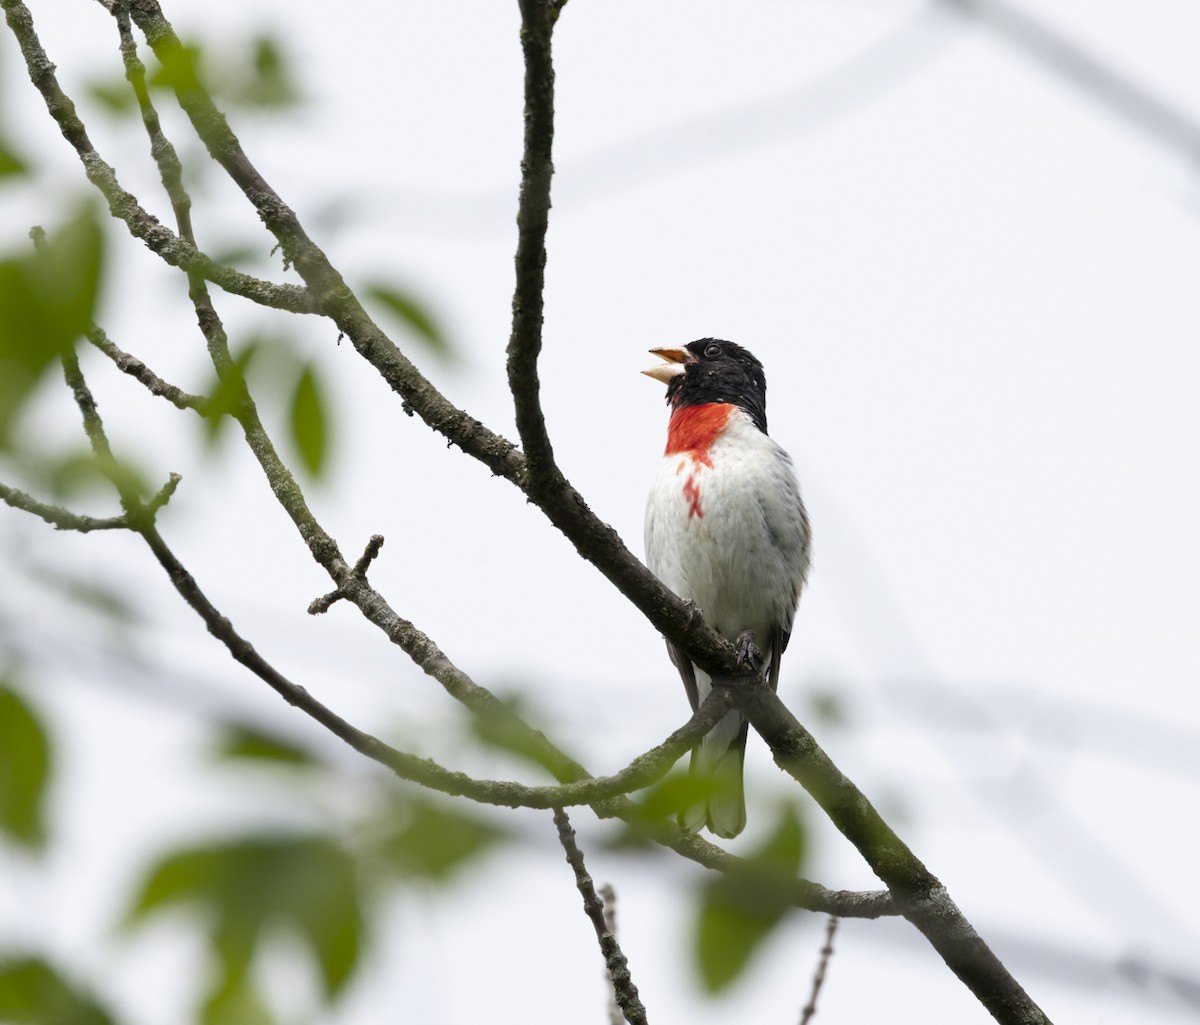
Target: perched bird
(726, 530)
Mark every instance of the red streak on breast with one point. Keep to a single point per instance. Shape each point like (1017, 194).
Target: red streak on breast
(691, 492)
(691, 433)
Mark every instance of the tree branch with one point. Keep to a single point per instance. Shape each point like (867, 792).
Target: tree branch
(533, 213)
(57, 516)
(621, 979)
(921, 897)
(123, 205)
(810, 1009)
(138, 370)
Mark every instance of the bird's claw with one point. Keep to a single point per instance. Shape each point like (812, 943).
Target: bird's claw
(748, 653)
(693, 611)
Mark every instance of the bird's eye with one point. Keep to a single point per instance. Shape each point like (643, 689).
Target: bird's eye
(712, 351)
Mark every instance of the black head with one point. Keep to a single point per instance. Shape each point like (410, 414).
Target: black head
(713, 370)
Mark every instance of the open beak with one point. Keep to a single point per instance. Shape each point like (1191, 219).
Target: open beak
(672, 368)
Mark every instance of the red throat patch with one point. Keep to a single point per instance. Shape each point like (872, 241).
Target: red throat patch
(690, 434)
(693, 429)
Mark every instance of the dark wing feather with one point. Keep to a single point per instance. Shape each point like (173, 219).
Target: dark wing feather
(775, 645)
(687, 671)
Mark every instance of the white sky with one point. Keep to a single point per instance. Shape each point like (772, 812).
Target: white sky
(974, 290)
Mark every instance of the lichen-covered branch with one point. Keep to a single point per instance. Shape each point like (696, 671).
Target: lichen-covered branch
(57, 516)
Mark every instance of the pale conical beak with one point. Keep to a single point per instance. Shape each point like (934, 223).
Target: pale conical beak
(672, 368)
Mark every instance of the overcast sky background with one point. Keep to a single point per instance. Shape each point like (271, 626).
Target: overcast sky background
(974, 288)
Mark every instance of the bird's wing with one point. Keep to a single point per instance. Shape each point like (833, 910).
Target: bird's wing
(687, 671)
(775, 644)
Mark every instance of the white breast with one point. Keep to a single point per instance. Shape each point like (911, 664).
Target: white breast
(729, 532)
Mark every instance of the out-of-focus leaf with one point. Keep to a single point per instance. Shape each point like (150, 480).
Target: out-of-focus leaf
(664, 800)
(433, 840)
(81, 471)
(828, 707)
(10, 162)
(179, 68)
(25, 764)
(47, 295)
(310, 428)
(114, 94)
(236, 1001)
(738, 912)
(257, 745)
(227, 397)
(33, 992)
(270, 83)
(303, 884)
(414, 315)
(89, 594)
(500, 726)
(239, 255)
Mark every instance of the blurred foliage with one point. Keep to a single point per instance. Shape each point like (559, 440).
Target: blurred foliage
(414, 315)
(321, 888)
(271, 368)
(431, 840)
(25, 766)
(827, 706)
(665, 800)
(739, 911)
(309, 420)
(255, 74)
(249, 742)
(307, 885)
(33, 992)
(11, 162)
(79, 471)
(48, 295)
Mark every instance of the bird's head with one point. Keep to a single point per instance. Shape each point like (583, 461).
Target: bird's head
(713, 370)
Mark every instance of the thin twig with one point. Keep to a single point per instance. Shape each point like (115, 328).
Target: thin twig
(810, 1009)
(326, 601)
(608, 897)
(624, 990)
(57, 516)
(138, 370)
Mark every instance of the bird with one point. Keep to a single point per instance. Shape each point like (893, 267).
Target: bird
(727, 531)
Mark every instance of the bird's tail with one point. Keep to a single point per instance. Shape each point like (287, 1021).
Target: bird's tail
(718, 761)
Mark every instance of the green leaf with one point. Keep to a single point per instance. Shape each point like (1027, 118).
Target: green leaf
(828, 707)
(10, 162)
(235, 1001)
(33, 992)
(111, 603)
(229, 394)
(25, 764)
(414, 315)
(306, 885)
(270, 83)
(77, 472)
(257, 745)
(310, 427)
(663, 801)
(48, 296)
(434, 840)
(179, 67)
(739, 911)
(114, 94)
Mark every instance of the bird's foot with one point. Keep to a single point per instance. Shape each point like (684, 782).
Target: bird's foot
(748, 653)
(693, 611)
